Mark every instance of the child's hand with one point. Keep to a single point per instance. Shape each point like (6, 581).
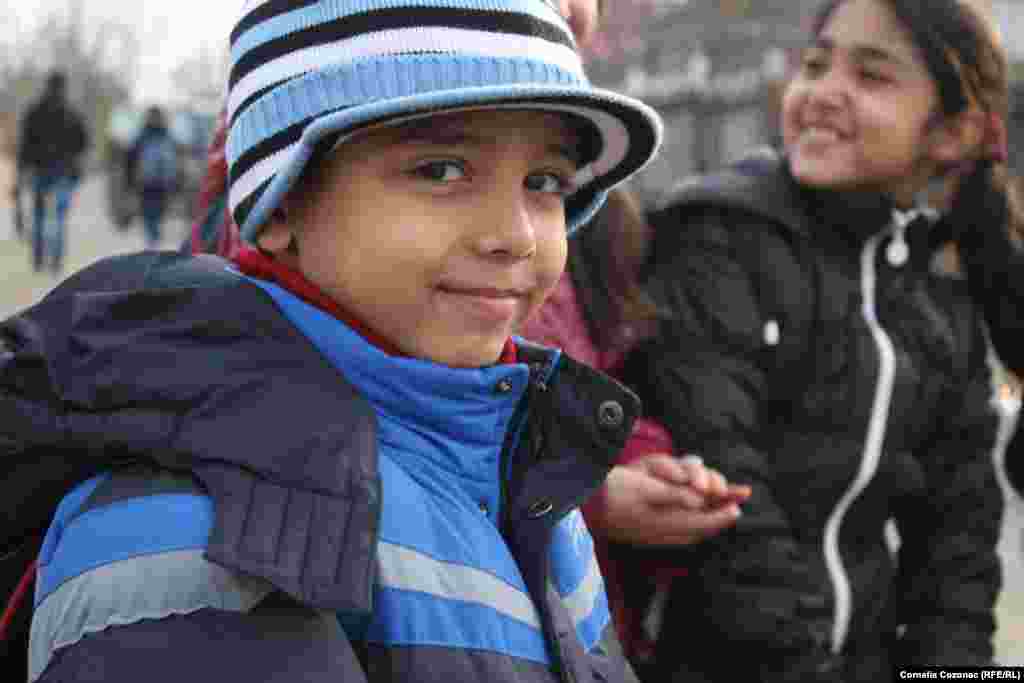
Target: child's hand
(662, 500)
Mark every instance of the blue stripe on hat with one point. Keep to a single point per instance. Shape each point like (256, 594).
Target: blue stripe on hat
(386, 80)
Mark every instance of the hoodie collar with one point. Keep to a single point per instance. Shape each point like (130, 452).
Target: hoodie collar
(853, 215)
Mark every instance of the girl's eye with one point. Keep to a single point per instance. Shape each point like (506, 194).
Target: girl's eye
(873, 76)
(554, 183)
(440, 171)
(814, 66)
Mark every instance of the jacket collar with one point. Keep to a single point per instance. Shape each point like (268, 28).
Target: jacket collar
(762, 184)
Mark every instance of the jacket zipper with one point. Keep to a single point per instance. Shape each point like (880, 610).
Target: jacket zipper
(877, 424)
(540, 373)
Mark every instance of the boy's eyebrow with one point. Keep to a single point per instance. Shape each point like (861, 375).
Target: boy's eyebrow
(431, 133)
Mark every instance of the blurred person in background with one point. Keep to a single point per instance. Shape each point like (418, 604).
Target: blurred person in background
(817, 351)
(52, 141)
(153, 172)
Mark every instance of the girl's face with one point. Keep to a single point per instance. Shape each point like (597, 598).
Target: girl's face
(861, 112)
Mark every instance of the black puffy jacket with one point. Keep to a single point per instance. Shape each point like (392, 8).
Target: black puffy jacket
(53, 136)
(816, 356)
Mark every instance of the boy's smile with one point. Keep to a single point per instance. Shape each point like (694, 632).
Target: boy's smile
(441, 235)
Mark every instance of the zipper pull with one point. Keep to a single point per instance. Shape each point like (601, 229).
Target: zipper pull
(898, 251)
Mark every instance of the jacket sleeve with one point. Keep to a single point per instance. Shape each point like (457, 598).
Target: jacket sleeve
(27, 139)
(275, 644)
(704, 377)
(950, 573)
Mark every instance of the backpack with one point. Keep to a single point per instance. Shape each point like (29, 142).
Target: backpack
(157, 164)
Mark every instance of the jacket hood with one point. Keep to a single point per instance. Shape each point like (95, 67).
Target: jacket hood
(761, 184)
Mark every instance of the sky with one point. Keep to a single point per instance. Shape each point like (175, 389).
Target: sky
(172, 30)
(169, 30)
(188, 26)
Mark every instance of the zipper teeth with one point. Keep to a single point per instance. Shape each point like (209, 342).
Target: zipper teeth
(872, 447)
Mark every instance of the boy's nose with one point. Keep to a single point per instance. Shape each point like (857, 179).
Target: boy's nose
(506, 229)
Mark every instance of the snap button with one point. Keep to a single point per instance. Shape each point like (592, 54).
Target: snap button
(483, 508)
(610, 414)
(772, 333)
(539, 508)
(504, 386)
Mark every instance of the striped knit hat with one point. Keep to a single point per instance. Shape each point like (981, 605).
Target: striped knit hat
(306, 73)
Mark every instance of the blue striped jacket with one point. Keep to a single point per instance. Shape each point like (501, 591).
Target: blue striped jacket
(296, 505)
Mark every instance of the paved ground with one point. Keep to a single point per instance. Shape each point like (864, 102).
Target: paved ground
(91, 236)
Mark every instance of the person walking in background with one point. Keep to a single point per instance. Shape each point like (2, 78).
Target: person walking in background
(152, 169)
(52, 141)
(816, 351)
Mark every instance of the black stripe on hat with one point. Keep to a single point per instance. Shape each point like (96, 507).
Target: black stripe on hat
(271, 145)
(245, 207)
(398, 18)
(268, 10)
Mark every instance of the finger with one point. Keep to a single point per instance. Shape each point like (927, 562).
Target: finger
(696, 472)
(658, 493)
(735, 493)
(670, 469)
(687, 527)
(717, 485)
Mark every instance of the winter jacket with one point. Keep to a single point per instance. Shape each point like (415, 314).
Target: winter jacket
(53, 137)
(260, 494)
(629, 573)
(815, 355)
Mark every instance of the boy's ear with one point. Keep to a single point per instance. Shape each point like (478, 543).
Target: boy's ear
(277, 235)
(958, 138)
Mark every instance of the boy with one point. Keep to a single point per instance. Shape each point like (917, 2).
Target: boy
(357, 475)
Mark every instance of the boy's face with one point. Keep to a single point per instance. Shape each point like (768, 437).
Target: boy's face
(443, 235)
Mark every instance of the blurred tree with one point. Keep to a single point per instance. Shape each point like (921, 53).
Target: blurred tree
(201, 78)
(99, 54)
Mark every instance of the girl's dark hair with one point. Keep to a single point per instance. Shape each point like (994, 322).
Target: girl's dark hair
(604, 261)
(962, 51)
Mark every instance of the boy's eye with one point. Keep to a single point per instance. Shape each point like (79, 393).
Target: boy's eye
(445, 171)
(554, 183)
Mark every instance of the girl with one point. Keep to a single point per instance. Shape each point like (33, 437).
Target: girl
(815, 353)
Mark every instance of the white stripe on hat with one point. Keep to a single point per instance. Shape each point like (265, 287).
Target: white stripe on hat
(399, 41)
